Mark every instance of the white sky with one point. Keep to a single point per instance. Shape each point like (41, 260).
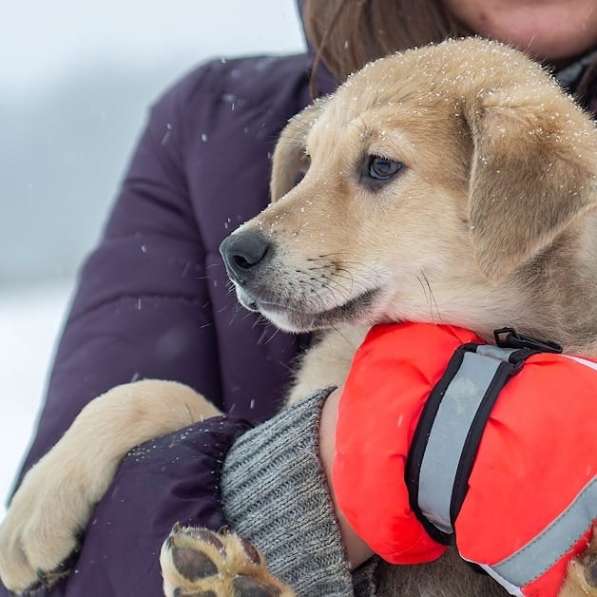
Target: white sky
(40, 40)
(29, 329)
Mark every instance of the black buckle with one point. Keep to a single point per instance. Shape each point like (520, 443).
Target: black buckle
(510, 338)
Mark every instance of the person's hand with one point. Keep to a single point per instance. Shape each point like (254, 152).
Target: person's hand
(357, 550)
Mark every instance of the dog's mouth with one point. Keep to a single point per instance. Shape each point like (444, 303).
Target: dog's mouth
(294, 319)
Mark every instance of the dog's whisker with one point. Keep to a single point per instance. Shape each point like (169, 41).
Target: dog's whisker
(341, 334)
(433, 301)
(332, 292)
(275, 333)
(423, 288)
(361, 284)
(347, 291)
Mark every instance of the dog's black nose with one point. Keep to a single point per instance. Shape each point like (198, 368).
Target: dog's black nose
(242, 253)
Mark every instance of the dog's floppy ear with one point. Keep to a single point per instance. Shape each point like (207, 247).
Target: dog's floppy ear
(290, 161)
(531, 173)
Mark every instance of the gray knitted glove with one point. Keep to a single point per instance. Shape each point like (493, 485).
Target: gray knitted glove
(276, 495)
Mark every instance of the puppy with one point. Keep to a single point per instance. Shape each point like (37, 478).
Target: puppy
(452, 183)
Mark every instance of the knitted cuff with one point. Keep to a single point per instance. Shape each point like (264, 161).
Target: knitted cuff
(276, 495)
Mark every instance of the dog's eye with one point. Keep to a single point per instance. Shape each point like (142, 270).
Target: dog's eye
(382, 169)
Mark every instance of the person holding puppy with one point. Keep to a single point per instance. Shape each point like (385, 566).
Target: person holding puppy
(171, 204)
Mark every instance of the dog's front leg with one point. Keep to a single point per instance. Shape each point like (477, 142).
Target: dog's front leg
(55, 500)
(581, 580)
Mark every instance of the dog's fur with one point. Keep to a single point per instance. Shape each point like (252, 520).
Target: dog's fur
(490, 223)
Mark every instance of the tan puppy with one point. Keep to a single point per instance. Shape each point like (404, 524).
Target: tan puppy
(451, 183)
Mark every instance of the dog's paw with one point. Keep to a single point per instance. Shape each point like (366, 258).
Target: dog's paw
(40, 535)
(588, 563)
(199, 563)
(581, 580)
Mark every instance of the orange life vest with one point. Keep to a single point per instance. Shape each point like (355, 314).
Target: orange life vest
(443, 438)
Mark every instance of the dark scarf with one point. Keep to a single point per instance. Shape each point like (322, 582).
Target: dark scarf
(579, 78)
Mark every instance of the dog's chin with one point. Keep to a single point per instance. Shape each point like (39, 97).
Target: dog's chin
(359, 309)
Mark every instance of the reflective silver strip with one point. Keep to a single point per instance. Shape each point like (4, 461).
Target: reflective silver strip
(590, 364)
(509, 587)
(540, 554)
(450, 429)
(489, 350)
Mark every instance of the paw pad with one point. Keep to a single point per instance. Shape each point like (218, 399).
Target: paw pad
(209, 537)
(251, 552)
(201, 563)
(246, 586)
(193, 564)
(177, 593)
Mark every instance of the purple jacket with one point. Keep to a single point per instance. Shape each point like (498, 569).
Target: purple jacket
(153, 301)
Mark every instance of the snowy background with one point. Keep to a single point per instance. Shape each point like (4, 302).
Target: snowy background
(75, 83)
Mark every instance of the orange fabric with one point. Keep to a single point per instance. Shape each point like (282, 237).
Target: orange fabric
(390, 379)
(538, 451)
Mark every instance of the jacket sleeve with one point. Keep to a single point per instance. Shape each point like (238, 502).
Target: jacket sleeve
(174, 478)
(275, 493)
(142, 308)
(266, 483)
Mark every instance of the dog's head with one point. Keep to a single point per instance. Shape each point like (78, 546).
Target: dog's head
(419, 190)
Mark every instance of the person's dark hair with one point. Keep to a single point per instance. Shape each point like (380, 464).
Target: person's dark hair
(346, 34)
